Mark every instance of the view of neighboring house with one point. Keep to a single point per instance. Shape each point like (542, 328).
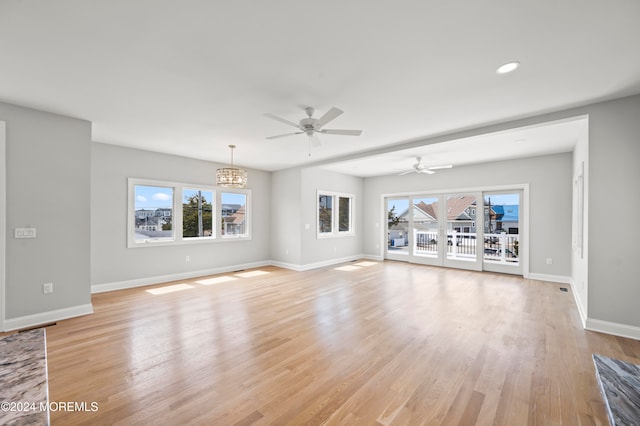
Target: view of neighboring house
(461, 217)
(234, 221)
(506, 219)
(461, 213)
(151, 223)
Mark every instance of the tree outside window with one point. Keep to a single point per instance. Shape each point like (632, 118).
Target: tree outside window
(197, 214)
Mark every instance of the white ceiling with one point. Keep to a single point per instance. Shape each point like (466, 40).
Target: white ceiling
(191, 77)
(550, 138)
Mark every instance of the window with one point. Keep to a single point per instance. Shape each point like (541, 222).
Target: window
(335, 214)
(197, 213)
(234, 215)
(175, 213)
(325, 214)
(344, 214)
(153, 213)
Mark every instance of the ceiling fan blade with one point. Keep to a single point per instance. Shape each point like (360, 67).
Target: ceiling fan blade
(341, 132)
(448, 166)
(426, 171)
(282, 120)
(332, 114)
(286, 134)
(406, 173)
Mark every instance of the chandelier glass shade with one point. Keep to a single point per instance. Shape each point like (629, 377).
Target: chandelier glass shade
(231, 177)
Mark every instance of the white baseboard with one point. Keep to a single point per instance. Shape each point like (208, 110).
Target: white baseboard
(316, 265)
(622, 330)
(550, 278)
(581, 310)
(121, 285)
(48, 317)
(377, 258)
(290, 266)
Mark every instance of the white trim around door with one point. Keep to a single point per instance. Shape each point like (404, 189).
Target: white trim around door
(3, 220)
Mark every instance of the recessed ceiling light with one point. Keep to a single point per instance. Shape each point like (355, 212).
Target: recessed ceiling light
(508, 67)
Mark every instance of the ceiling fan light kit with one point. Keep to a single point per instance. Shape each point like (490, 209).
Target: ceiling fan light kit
(231, 177)
(310, 126)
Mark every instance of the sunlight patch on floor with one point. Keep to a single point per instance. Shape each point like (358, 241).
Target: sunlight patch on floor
(216, 280)
(169, 289)
(251, 274)
(347, 268)
(365, 263)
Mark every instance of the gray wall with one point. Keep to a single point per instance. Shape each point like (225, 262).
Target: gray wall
(614, 176)
(48, 176)
(316, 250)
(294, 207)
(286, 220)
(549, 179)
(112, 261)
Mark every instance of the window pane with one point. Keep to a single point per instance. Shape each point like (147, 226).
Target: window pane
(502, 228)
(325, 211)
(234, 216)
(344, 214)
(153, 212)
(197, 213)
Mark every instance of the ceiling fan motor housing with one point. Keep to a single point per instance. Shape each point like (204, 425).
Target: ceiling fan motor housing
(307, 125)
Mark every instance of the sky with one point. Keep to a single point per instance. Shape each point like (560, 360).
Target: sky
(153, 197)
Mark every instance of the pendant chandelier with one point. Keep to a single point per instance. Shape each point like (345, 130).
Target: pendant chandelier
(231, 177)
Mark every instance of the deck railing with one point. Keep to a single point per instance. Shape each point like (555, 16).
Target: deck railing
(498, 248)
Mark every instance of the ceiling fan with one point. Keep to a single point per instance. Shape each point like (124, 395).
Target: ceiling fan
(420, 168)
(311, 126)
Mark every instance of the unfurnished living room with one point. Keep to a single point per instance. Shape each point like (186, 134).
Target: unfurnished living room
(341, 213)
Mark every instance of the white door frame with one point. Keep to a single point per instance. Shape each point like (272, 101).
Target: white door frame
(3, 220)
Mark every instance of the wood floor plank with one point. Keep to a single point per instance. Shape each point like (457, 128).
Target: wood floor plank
(390, 343)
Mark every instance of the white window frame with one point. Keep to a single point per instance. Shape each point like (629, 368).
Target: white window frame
(247, 213)
(177, 216)
(335, 214)
(131, 206)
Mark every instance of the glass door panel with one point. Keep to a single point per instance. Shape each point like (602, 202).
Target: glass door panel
(462, 214)
(502, 235)
(426, 230)
(397, 228)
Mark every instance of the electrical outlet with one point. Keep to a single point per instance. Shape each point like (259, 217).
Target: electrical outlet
(549, 261)
(188, 259)
(47, 288)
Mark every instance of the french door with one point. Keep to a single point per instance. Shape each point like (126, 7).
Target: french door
(435, 229)
(467, 230)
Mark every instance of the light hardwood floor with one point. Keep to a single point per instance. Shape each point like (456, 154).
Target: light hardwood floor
(387, 343)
